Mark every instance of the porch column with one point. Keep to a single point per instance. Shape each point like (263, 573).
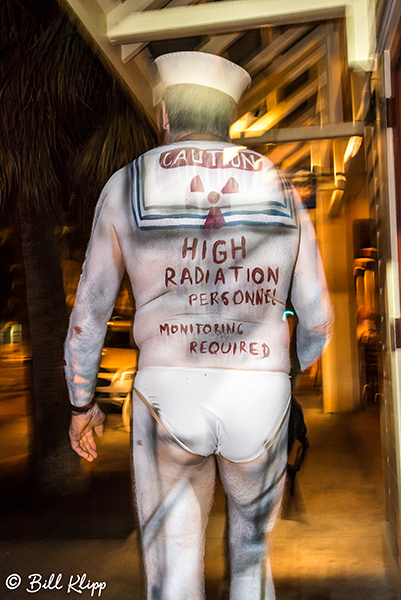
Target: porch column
(339, 363)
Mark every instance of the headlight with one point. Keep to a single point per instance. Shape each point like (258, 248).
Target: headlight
(127, 376)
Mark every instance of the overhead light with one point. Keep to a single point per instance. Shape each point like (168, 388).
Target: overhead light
(337, 194)
(354, 143)
(336, 202)
(241, 125)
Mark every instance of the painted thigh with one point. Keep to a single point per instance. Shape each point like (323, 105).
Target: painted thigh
(174, 491)
(254, 490)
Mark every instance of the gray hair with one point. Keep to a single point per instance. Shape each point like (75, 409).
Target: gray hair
(197, 108)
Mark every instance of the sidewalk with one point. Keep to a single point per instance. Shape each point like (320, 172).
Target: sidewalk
(327, 546)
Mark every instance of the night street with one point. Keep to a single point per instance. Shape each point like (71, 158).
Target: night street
(14, 413)
(16, 424)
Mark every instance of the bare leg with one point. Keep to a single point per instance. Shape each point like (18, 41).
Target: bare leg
(174, 495)
(254, 491)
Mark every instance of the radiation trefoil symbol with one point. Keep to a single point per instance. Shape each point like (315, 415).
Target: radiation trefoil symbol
(214, 219)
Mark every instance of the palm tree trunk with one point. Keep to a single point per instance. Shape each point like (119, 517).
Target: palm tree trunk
(57, 468)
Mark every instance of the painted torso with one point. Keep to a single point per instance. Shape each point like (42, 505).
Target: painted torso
(210, 256)
(214, 240)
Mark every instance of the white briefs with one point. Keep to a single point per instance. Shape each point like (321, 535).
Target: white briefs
(234, 413)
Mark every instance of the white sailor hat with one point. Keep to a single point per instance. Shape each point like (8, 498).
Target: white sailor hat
(204, 69)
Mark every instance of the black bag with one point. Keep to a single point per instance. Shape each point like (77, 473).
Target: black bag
(298, 442)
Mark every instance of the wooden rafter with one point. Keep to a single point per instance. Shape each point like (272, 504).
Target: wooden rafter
(217, 44)
(271, 77)
(126, 25)
(285, 107)
(306, 133)
(277, 47)
(281, 152)
(129, 51)
(293, 159)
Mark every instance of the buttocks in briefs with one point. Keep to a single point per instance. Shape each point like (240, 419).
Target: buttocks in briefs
(234, 413)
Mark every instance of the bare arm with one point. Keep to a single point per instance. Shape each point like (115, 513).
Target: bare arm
(310, 296)
(96, 295)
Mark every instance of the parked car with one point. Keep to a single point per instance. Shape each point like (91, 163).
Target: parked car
(118, 367)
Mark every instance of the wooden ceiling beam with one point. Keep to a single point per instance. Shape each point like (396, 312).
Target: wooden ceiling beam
(285, 107)
(277, 47)
(144, 61)
(304, 134)
(290, 76)
(281, 152)
(217, 44)
(334, 76)
(273, 75)
(291, 161)
(126, 25)
(129, 51)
